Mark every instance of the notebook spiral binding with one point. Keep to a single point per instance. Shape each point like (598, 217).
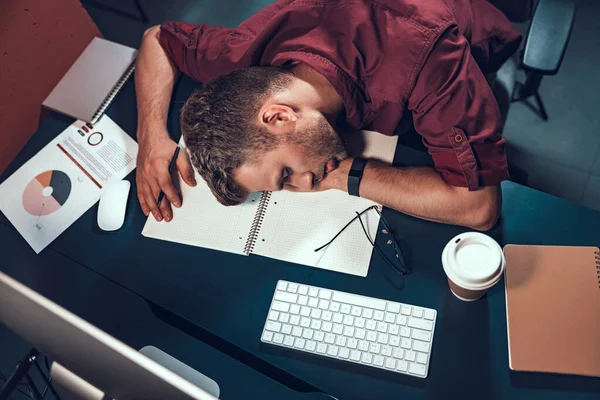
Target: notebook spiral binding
(257, 222)
(112, 94)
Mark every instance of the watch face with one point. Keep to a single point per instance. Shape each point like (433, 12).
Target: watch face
(355, 173)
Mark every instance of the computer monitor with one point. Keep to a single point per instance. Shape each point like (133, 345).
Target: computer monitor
(89, 360)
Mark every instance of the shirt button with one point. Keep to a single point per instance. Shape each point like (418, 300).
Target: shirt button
(458, 138)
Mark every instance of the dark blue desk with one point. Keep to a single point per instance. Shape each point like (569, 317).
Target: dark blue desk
(222, 298)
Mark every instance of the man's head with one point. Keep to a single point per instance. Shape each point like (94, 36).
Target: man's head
(250, 130)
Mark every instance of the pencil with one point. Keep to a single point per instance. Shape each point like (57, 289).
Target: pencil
(171, 165)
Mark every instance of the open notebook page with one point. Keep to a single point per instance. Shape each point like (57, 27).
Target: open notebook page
(295, 224)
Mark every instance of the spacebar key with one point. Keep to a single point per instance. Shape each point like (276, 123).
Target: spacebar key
(360, 301)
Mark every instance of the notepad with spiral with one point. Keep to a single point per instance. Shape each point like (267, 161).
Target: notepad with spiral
(93, 81)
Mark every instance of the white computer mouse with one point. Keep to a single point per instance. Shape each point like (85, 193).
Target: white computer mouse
(113, 202)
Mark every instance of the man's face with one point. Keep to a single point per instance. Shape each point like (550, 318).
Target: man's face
(301, 161)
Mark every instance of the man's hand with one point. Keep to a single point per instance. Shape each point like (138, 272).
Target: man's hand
(337, 178)
(152, 175)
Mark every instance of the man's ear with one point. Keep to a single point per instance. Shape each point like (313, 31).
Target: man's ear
(279, 118)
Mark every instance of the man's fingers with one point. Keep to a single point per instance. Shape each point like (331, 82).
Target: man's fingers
(185, 169)
(166, 184)
(151, 202)
(142, 200)
(165, 209)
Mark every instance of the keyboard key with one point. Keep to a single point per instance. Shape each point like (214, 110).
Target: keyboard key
(371, 336)
(420, 346)
(422, 358)
(356, 300)
(334, 306)
(303, 300)
(394, 330)
(378, 315)
(360, 334)
(315, 324)
(418, 312)
(344, 353)
(315, 313)
(401, 320)
(286, 329)
(420, 323)
(349, 331)
(310, 345)
(404, 331)
(313, 292)
(378, 360)
(308, 334)
(363, 345)
(402, 365)
(355, 355)
(325, 294)
(348, 320)
(288, 341)
(390, 363)
(410, 355)
(319, 336)
(390, 318)
(294, 309)
(303, 290)
(282, 285)
(382, 327)
(321, 348)
(406, 310)
(326, 316)
(421, 335)
(386, 350)
(356, 311)
(366, 358)
(338, 329)
(273, 326)
(352, 343)
(284, 317)
(274, 315)
(287, 297)
(359, 322)
(406, 343)
(394, 341)
(294, 320)
(429, 314)
(313, 302)
(323, 304)
(299, 343)
(267, 336)
(393, 307)
(340, 341)
(371, 325)
(382, 338)
(305, 311)
(280, 306)
(345, 309)
(375, 348)
(398, 353)
(333, 350)
(278, 338)
(326, 327)
(304, 322)
(297, 331)
(338, 318)
(292, 287)
(367, 313)
(329, 338)
(417, 369)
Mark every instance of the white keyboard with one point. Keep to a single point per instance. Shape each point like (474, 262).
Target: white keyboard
(363, 330)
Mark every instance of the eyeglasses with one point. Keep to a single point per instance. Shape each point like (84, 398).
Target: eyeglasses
(400, 264)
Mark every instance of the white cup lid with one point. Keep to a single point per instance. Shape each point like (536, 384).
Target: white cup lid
(473, 260)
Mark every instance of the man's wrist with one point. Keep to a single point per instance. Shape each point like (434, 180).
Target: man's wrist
(355, 176)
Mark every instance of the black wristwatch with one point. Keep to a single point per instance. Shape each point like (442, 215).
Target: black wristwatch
(355, 175)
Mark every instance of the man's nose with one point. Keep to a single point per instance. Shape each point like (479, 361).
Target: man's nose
(303, 181)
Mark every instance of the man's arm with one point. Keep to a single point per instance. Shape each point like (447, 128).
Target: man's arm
(154, 79)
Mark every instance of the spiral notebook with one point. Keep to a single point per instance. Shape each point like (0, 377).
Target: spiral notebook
(553, 309)
(283, 225)
(93, 81)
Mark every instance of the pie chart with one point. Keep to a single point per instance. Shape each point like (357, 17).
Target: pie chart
(46, 193)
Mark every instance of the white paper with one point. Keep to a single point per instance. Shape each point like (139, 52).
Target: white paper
(50, 191)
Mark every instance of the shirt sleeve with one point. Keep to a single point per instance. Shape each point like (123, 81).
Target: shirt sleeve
(455, 112)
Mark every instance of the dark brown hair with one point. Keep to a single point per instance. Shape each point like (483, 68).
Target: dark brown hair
(220, 128)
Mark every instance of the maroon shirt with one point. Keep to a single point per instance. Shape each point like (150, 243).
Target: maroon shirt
(384, 58)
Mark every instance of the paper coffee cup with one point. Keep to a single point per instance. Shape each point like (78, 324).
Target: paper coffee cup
(473, 263)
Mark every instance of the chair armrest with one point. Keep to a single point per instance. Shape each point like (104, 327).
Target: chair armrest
(548, 36)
